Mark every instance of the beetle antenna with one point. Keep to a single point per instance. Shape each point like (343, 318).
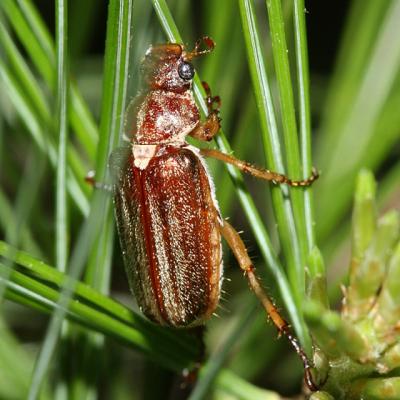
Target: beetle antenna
(197, 51)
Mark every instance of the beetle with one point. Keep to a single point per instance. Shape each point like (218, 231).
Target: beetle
(168, 219)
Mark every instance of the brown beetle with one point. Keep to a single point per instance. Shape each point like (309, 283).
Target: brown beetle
(168, 219)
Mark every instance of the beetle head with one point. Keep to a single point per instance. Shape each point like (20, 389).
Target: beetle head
(168, 66)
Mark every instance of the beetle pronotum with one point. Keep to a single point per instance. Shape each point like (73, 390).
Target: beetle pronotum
(168, 220)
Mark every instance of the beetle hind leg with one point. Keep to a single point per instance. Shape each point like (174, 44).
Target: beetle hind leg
(239, 250)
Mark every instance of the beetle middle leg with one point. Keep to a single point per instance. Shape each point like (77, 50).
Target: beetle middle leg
(90, 178)
(261, 173)
(208, 129)
(239, 250)
(116, 162)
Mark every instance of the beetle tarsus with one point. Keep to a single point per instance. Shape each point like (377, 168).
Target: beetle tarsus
(307, 364)
(299, 183)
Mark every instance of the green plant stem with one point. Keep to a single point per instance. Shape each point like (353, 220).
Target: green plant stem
(62, 128)
(233, 385)
(113, 106)
(61, 124)
(36, 39)
(359, 124)
(300, 34)
(280, 195)
(291, 140)
(376, 389)
(61, 204)
(215, 363)
(39, 132)
(169, 349)
(9, 218)
(27, 193)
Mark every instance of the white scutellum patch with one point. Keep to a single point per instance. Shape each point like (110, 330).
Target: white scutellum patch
(142, 154)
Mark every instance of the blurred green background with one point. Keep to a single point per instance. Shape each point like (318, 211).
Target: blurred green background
(354, 58)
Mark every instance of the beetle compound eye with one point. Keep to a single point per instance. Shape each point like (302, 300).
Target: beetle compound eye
(186, 71)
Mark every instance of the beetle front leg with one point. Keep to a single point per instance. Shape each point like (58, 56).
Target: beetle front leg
(209, 128)
(239, 250)
(261, 173)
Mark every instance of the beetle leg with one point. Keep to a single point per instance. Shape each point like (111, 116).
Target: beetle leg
(189, 376)
(239, 250)
(116, 162)
(209, 128)
(213, 102)
(91, 180)
(261, 173)
(196, 52)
